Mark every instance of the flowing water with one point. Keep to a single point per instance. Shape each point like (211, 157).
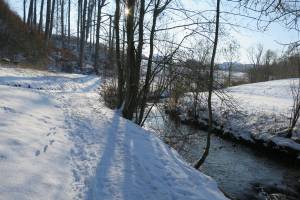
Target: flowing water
(241, 172)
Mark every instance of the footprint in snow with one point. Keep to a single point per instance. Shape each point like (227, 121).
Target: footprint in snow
(37, 153)
(51, 142)
(53, 133)
(45, 148)
(2, 157)
(7, 109)
(43, 120)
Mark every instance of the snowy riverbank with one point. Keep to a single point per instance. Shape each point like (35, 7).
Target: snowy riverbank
(261, 111)
(58, 141)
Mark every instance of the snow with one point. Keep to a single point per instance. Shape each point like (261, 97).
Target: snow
(58, 141)
(263, 111)
(266, 106)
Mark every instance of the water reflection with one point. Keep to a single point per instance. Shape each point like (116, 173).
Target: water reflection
(240, 171)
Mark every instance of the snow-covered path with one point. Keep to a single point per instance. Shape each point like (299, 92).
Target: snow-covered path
(58, 141)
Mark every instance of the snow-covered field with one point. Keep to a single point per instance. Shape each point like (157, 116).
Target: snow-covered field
(262, 111)
(58, 141)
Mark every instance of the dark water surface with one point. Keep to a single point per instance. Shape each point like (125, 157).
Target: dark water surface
(241, 172)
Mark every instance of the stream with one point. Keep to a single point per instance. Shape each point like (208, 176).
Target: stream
(241, 172)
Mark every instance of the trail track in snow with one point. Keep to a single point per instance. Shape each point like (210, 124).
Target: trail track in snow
(80, 149)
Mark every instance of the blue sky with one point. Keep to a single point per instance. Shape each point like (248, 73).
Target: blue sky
(270, 38)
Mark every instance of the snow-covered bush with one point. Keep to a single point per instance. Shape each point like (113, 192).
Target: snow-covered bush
(108, 92)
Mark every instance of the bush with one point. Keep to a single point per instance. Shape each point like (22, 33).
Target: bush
(109, 94)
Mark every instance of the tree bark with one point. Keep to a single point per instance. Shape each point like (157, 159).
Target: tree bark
(79, 13)
(82, 35)
(146, 87)
(34, 14)
(132, 74)
(62, 5)
(69, 20)
(156, 12)
(89, 18)
(118, 56)
(97, 47)
(41, 17)
(110, 35)
(24, 10)
(30, 13)
(52, 18)
(48, 19)
(210, 89)
(229, 73)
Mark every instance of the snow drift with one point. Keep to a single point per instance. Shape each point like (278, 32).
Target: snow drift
(58, 141)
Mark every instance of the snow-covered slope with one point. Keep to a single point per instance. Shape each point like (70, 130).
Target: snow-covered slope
(265, 106)
(58, 141)
(261, 111)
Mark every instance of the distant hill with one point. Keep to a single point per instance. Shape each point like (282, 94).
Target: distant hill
(18, 42)
(237, 67)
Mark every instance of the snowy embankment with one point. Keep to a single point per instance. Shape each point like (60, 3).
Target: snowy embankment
(58, 141)
(262, 110)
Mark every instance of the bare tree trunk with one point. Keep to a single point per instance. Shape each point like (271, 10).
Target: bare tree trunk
(41, 17)
(57, 21)
(69, 20)
(123, 50)
(94, 24)
(295, 113)
(156, 12)
(52, 18)
(79, 21)
(48, 19)
(146, 87)
(112, 43)
(24, 10)
(89, 19)
(82, 35)
(118, 56)
(34, 14)
(132, 78)
(229, 74)
(30, 13)
(123, 60)
(97, 47)
(62, 5)
(110, 35)
(210, 89)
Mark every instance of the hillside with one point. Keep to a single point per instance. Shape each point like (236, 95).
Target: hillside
(58, 141)
(19, 43)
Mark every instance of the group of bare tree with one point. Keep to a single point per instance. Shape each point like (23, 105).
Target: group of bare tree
(55, 15)
(230, 53)
(267, 65)
(146, 40)
(136, 77)
(153, 72)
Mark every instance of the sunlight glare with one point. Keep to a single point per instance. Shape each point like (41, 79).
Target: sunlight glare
(127, 11)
